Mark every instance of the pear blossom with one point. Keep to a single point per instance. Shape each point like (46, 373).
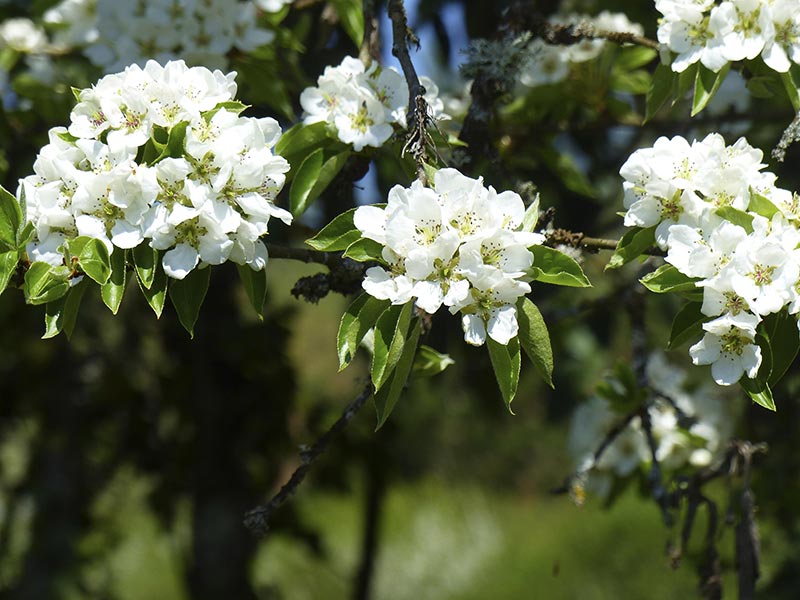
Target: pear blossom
(457, 244)
(211, 203)
(728, 346)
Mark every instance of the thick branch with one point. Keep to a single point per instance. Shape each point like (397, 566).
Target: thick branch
(257, 520)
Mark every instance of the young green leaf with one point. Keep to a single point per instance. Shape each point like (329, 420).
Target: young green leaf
(687, 325)
(535, 339)
(94, 260)
(255, 286)
(706, 84)
(668, 279)
(351, 17)
(429, 362)
(506, 364)
(44, 283)
(60, 314)
(364, 250)
(338, 234)
(304, 179)
(300, 141)
(781, 330)
(660, 90)
(173, 148)
(790, 85)
(145, 259)
(758, 389)
(187, 297)
(552, 266)
(8, 265)
(761, 205)
(360, 317)
(635, 241)
(737, 217)
(386, 397)
(10, 220)
(156, 294)
(391, 333)
(113, 290)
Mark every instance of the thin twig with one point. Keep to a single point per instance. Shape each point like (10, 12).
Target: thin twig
(257, 519)
(370, 46)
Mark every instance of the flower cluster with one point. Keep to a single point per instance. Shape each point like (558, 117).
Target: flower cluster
(158, 154)
(688, 429)
(115, 34)
(727, 226)
(716, 33)
(545, 63)
(457, 244)
(363, 105)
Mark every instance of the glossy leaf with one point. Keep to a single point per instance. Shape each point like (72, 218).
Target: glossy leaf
(506, 365)
(156, 294)
(737, 217)
(187, 296)
(781, 331)
(304, 180)
(10, 220)
(706, 84)
(762, 205)
(300, 141)
(667, 279)
(535, 339)
(635, 241)
(92, 257)
(429, 362)
(386, 398)
(660, 90)
(61, 314)
(790, 84)
(113, 290)
(145, 259)
(360, 317)
(8, 265)
(255, 286)
(391, 333)
(552, 266)
(687, 325)
(363, 250)
(336, 235)
(44, 283)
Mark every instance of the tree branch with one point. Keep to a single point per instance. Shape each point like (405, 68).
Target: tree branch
(257, 519)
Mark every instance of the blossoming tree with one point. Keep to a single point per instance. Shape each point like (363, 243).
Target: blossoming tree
(190, 125)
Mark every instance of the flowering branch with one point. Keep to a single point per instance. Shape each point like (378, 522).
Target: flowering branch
(257, 519)
(568, 34)
(418, 116)
(576, 239)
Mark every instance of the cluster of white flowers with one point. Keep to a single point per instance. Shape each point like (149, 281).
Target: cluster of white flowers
(716, 33)
(116, 34)
(362, 105)
(457, 244)
(745, 271)
(549, 63)
(207, 202)
(688, 429)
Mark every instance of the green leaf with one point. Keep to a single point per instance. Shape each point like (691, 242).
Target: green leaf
(706, 84)
(351, 17)
(304, 179)
(660, 90)
(386, 398)
(312, 178)
(552, 266)
(635, 241)
(760, 393)
(791, 89)
(173, 148)
(113, 290)
(93, 258)
(429, 362)
(781, 331)
(44, 283)
(360, 317)
(255, 286)
(761, 205)
(187, 296)
(364, 250)
(633, 57)
(765, 86)
(156, 294)
(430, 172)
(391, 333)
(145, 259)
(336, 235)
(61, 314)
(687, 325)
(531, 217)
(737, 217)
(506, 364)
(668, 279)
(535, 339)
(8, 266)
(10, 220)
(300, 141)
